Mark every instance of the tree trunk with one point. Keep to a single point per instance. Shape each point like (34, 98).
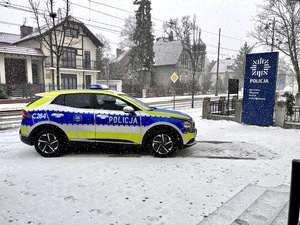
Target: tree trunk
(57, 73)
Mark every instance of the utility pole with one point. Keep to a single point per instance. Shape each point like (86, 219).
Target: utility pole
(217, 80)
(273, 33)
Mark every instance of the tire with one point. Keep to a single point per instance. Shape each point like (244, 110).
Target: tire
(49, 143)
(163, 143)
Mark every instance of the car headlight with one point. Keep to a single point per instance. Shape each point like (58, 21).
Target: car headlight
(188, 126)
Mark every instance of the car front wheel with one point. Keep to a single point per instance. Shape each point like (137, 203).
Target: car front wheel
(162, 143)
(49, 143)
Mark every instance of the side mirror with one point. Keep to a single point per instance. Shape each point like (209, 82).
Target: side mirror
(128, 109)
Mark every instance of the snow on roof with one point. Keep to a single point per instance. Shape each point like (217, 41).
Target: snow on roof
(8, 38)
(120, 57)
(167, 52)
(224, 65)
(11, 49)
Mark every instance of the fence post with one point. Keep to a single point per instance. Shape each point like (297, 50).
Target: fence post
(294, 205)
(25, 89)
(29, 87)
(222, 105)
(205, 108)
(238, 110)
(280, 113)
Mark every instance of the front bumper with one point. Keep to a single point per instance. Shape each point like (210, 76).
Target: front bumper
(192, 141)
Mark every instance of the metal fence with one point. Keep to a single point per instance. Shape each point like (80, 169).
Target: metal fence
(221, 107)
(295, 117)
(25, 90)
(28, 90)
(63, 86)
(73, 63)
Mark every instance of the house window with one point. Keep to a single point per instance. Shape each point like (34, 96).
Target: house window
(88, 80)
(87, 60)
(185, 60)
(34, 68)
(71, 30)
(68, 59)
(68, 81)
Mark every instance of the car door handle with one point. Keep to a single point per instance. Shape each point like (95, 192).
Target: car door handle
(57, 115)
(102, 116)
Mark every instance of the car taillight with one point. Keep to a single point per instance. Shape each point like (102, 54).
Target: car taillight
(25, 114)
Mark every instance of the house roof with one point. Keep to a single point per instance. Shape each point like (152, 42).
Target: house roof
(224, 65)
(45, 30)
(120, 57)
(17, 50)
(8, 38)
(167, 52)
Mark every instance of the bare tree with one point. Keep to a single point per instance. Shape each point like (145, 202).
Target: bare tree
(184, 30)
(127, 41)
(278, 25)
(55, 33)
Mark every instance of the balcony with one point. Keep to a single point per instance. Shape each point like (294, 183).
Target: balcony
(73, 64)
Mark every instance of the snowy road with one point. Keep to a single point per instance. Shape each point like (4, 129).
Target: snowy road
(104, 187)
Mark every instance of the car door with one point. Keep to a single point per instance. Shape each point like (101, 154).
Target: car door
(74, 114)
(113, 125)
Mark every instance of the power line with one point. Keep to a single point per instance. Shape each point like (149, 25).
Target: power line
(123, 10)
(99, 11)
(107, 14)
(28, 9)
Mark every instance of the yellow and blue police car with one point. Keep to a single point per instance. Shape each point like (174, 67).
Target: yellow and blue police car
(101, 115)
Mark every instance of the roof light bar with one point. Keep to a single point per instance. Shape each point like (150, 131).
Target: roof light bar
(99, 86)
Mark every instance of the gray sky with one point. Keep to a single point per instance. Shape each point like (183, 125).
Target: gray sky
(107, 18)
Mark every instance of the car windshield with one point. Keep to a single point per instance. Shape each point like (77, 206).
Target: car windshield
(138, 102)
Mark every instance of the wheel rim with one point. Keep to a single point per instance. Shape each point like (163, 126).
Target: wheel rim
(162, 144)
(48, 143)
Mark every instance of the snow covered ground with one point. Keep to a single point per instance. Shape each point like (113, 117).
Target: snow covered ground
(103, 186)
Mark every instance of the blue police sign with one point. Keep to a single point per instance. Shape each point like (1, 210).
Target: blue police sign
(259, 88)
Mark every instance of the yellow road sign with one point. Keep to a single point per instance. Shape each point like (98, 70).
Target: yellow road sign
(174, 77)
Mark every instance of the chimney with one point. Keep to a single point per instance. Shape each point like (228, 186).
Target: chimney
(25, 30)
(119, 52)
(171, 38)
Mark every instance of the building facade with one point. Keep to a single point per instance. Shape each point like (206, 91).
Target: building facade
(224, 73)
(78, 63)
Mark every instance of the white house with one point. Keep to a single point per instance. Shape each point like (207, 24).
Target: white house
(36, 62)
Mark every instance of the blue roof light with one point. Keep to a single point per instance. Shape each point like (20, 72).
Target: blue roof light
(99, 86)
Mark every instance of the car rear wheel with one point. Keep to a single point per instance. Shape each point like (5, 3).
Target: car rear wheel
(163, 143)
(49, 143)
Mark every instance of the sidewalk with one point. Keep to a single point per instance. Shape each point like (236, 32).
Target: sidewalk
(14, 106)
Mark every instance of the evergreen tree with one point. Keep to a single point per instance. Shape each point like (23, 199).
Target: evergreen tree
(141, 55)
(240, 63)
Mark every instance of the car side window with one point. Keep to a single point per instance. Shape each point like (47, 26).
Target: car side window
(80, 100)
(59, 100)
(110, 102)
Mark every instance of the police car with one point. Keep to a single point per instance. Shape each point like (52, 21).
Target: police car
(105, 116)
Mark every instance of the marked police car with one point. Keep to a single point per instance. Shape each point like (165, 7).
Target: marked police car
(105, 116)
